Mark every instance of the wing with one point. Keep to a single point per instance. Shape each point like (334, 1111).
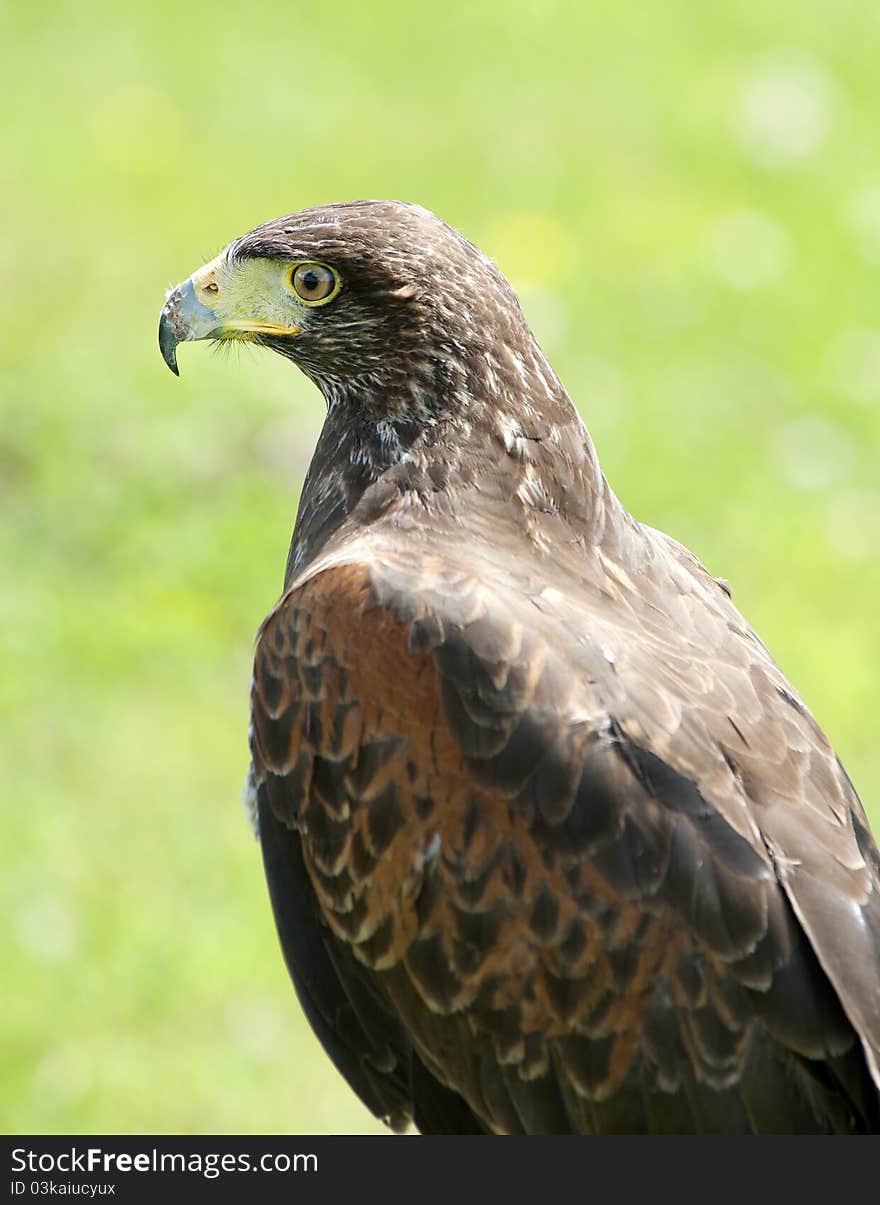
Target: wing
(365, 1042)
(586, 869)
(305, 717)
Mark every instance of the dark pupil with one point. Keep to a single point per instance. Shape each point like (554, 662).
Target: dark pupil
(310, 281)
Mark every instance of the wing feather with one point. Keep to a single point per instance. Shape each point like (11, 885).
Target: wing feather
(596, 869)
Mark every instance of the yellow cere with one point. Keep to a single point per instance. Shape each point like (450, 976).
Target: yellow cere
(251, 296)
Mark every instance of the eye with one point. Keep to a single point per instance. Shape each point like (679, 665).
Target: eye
(314, 283)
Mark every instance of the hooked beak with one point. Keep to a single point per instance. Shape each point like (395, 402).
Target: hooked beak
(222, 302)
(184, 318)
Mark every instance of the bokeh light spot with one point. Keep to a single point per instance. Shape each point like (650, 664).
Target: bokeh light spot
(747, 249)
(785, 109)
(813, 453)
(863, 218)
(46, 929)
(853, 519)
(854, 365)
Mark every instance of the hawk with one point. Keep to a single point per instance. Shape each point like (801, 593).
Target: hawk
(552, 845)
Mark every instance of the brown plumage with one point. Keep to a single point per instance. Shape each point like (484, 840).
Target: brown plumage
(552, 844)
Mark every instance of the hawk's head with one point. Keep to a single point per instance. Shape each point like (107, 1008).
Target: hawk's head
(379, 291)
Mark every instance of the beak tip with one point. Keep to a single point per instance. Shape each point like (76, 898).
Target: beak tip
(168, 344)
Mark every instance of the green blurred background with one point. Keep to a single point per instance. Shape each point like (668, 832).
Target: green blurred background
(687, 198)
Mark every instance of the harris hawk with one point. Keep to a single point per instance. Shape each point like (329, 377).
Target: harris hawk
(551, 843)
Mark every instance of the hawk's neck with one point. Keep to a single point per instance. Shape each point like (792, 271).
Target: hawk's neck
(505, 444)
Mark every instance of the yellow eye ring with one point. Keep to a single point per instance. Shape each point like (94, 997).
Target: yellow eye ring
(314, 283)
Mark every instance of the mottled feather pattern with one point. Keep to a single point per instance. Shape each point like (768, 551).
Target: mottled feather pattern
(585, 893)
(552, 844)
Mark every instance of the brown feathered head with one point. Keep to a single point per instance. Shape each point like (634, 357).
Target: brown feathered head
(371, 293)
(429, 369)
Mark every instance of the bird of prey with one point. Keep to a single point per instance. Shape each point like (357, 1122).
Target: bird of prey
(552, 845)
